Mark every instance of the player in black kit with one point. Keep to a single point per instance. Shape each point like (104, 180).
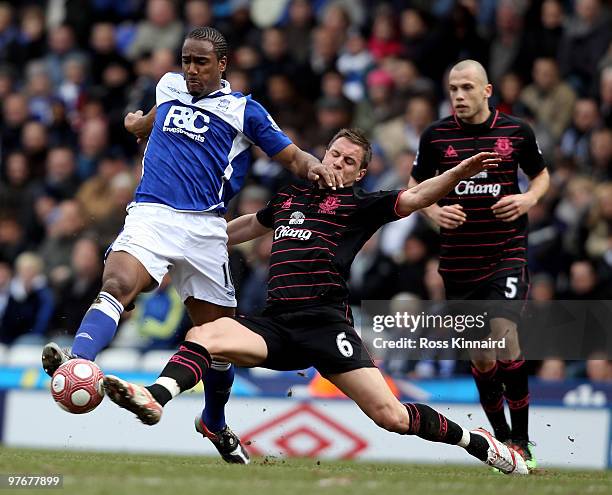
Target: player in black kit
(307, 321)
(483, 230)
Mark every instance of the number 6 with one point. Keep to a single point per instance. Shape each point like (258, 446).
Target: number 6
(511, 289)
(344, 346)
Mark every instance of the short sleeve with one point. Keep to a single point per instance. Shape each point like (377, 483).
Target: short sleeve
(168, 87)
(260, 128)
(425, 164)
(530, 157)
(378, 208)
(265, 216)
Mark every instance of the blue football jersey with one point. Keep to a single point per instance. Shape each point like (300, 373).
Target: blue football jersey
(198, 153)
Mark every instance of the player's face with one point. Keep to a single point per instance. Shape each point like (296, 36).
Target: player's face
(201, 68)
(469, 95)
(346, 156)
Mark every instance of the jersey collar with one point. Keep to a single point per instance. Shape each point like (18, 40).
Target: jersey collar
(224, 90)
(487, 124)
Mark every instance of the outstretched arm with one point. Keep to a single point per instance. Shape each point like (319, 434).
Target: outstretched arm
(431, 190)
(140, 125)
(447, 216)
(244, 229)
(306, 166)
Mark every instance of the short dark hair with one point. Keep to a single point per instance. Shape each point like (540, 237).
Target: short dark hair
(358, 137)
(208, 33)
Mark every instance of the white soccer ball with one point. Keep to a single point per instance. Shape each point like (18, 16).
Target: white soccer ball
(77, 386)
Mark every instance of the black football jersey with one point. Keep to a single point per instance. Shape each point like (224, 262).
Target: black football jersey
(483, 246)
(317, 234)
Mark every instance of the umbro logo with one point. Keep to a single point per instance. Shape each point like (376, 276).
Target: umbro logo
(450, 152)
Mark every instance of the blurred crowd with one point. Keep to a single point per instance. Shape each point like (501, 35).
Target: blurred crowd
(71, 70)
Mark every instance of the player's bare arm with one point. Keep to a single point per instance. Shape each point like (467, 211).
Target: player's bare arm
(509, 208)
(448, 216)
(308, 167)
(139, 124)
(431, 190)
(244, 228)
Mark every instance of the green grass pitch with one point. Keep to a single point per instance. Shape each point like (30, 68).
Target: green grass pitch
(104, 473)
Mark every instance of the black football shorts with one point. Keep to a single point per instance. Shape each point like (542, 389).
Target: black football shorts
(507, 294)
(318, 336)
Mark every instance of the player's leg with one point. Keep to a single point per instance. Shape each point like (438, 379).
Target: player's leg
(367, 387)
(486, 373)
(224, 339)
(513, 374)
(220, 376)
(123, 279)
(203, 280)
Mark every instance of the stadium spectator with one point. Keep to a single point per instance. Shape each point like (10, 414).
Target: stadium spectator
(601, 153)
(161, 29)
(253, 298)
(103, 50)
(405, 131)
(197, 13)
(298, 29)
(15, 113)
(62, 45)
(585, 40)
(17, 191)
(95, 192)
(159, 319)
(584, 283)
(505, 48)
(30, 304)
(605, 95)
(380, 103)
(575, 141)
(35, 142)
(384, 40)
(542, 40)
(78, 287)
(65, 224)
(60, 181)
(510, 87)
(12, 238)
(549, 98)
(93, 142)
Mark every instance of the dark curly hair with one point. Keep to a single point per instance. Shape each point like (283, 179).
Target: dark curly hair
(208, 33)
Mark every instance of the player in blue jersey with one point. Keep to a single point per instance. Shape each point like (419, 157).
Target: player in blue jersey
(197, 156)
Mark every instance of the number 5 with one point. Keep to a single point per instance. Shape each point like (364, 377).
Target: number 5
(344, 346)
(511, 289)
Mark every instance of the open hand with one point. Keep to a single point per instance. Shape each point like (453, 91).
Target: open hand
(475, 164)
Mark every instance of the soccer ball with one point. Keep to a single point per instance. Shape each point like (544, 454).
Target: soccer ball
(76, 386)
